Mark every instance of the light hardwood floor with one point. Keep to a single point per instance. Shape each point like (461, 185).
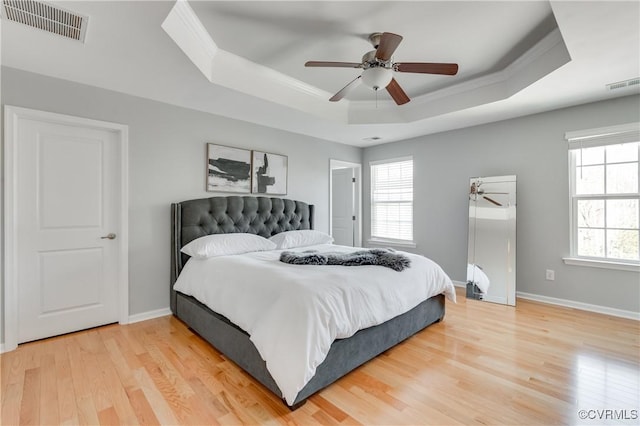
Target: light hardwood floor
(484, 364)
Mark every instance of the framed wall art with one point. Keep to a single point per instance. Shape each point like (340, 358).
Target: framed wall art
(228, 169)
(269, 173)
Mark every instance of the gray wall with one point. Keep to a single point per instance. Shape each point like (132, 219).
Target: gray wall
(167, 164)
(534, 149)
(167, 149)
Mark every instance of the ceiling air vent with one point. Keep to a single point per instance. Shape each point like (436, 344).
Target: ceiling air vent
(47, 17)
(623, 84)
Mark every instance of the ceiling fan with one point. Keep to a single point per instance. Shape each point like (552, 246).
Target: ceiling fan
(378, 68)
(476, 190)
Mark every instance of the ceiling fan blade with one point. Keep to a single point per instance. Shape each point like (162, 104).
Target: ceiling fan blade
(333, 64)
(397, 93)
(491, 200)
(427, 68)
(388, 44)
(346, 89)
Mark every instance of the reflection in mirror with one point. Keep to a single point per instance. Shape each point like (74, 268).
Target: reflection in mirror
(491, 261)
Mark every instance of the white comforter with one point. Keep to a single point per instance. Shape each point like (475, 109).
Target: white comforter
(293, 313)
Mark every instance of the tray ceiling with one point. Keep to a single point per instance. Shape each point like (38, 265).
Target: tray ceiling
(245, 60)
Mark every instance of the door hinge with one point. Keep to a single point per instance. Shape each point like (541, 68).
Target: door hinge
(353, 218)
(353, 180)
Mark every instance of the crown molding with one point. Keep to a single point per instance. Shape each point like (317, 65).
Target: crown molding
(536, 52)
(549, 54)
(235, 72)
(186, 30)
(232, 71)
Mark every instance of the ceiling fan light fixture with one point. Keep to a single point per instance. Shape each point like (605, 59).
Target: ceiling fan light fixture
(377, 77)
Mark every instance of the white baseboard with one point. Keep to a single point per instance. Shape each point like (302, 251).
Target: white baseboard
(132, 318)
(571, 304)
(143, 316)
(580, 305)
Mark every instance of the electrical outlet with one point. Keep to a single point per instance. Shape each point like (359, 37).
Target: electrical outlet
(550, 275)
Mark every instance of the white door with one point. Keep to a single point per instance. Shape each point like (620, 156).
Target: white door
(68, 199)
(342, 206)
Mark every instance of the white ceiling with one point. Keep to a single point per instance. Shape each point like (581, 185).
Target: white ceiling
(245, 60)
(284, 38)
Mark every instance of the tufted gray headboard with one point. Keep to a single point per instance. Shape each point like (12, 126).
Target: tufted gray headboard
(222, 215)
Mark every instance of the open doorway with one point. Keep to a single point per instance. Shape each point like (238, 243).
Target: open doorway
(345, 202)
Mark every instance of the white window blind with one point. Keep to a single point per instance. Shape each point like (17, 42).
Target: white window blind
(605, 196)
(392, 200)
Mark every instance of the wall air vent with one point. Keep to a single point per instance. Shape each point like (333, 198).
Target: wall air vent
(623, 84)
(47, 17)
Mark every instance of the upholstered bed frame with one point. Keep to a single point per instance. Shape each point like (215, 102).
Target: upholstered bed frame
(266, 217)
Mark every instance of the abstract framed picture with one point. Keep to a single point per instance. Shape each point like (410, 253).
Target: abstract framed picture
(228, 169)
(269, 173)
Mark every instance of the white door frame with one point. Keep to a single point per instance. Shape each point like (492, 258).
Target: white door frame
(11, 116)
(339, 164)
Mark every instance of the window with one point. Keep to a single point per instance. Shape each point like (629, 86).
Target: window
(392, 200)
(605, 195)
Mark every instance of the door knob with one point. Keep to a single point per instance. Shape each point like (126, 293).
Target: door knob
(111, 236)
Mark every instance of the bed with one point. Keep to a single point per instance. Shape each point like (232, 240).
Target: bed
(267, 217)
(477, 282)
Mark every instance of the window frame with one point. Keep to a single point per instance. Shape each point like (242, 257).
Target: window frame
(391, 241)
(626, 133)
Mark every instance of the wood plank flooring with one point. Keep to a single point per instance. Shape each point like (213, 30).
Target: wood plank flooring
(484, 364)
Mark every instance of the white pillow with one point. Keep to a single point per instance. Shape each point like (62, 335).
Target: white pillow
(225, 244)
(302, 238)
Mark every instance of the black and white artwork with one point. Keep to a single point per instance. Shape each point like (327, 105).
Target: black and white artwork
(269, 173)
(228, 169)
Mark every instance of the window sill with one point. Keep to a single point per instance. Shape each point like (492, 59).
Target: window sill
(621, 266)
(396, 243)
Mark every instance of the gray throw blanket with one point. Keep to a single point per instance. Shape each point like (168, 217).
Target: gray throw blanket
(381, 257)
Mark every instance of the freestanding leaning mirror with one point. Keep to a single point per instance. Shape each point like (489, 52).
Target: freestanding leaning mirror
(491, 261)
